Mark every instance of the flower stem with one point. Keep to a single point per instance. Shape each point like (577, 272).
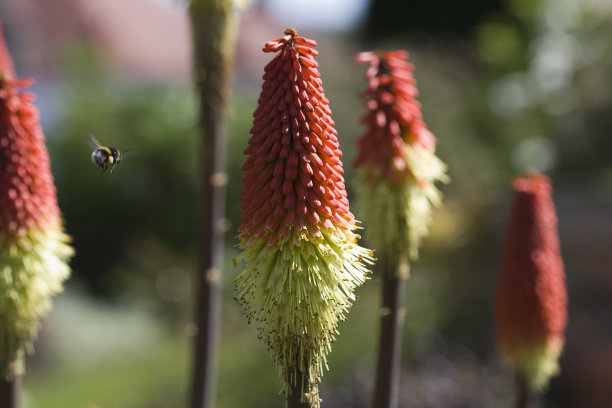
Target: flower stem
(392, 313)
(212, 30)
(9, 392)
(524, 397)
(296, 391)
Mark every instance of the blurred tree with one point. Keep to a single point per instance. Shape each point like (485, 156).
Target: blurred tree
(546, 71)
(443, 17)
(149, 196)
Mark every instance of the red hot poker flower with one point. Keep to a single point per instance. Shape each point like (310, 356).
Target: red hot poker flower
(302, 260)
(33, 249)
(531, 303)
(397, 164)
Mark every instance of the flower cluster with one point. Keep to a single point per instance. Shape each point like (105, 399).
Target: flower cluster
(33, 246)
(301, 259)
(531, 302)
(397, 164)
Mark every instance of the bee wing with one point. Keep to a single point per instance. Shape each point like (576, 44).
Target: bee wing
(130, 152)
(93, 142)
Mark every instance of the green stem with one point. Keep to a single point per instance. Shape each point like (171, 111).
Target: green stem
(392, 313)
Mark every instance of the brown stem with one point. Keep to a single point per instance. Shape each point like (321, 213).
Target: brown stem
(9, 392)
(386, 388)
(297, 388)
(524, 397)
(212, 30)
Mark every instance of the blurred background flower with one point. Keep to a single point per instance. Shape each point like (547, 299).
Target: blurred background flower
(499, 81)
(397, 165)
(531, 298)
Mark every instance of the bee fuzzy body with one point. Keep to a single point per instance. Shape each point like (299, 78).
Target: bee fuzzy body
(104, 156)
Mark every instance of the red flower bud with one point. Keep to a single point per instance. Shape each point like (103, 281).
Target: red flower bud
(531, 303)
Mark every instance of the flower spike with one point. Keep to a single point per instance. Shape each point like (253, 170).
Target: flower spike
(301, 259)
(33, 245)
(531, 301)
(397, 164)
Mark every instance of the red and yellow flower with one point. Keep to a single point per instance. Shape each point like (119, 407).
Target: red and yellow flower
(301, 259)
(33, 245)
(397, 164)
(531, 302)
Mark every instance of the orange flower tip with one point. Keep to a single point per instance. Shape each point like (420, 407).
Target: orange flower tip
(366, 56)
(297, 46)
(397, 54)
(532, 183)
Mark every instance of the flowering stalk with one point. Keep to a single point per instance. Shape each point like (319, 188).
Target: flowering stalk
(302, 262)
(10, 392)
(531, 302)
(212, 26)
(33, 245)
(397, 164)
(398, 169)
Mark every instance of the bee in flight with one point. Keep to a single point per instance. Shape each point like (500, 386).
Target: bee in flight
(104, 156)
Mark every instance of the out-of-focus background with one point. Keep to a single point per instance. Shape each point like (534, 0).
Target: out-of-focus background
(506, 86)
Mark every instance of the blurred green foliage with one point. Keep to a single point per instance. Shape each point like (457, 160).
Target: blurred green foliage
(150, 195)
(442, 17)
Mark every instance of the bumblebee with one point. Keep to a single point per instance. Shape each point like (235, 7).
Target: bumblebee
(104, 156)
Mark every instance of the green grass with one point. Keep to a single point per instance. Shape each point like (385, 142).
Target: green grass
(144, 378)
